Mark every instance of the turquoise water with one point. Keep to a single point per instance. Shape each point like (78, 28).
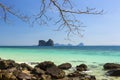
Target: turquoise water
(94, 56)
(74, 55)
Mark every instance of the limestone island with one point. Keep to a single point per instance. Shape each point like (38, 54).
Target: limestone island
(50, 42)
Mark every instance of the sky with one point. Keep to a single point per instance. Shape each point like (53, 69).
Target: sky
(100, 29)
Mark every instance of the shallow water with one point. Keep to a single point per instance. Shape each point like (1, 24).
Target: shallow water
(93, 56)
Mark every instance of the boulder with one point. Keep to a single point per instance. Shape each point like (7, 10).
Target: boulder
(65, 66)
(109, 66)
(5, 75)
(5, 64)
(45, 65)
(46, 77)
(75, 74)
(26, 66)
(114, 72)
(80, 76)
(37, 71)
(81, 67)
(55, 72)
(24, 76)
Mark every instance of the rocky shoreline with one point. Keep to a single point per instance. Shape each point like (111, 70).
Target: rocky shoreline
(47, 70)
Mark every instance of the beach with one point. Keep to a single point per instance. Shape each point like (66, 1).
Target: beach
(93, 56)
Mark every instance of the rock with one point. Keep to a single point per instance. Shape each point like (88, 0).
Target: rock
(80, 76)
(34, 63)
(44, 43)
(45, 65)
(50, 42)
(26, 66)
(81, 67)
(23, 76)
(114, 72)
(6, 75)
(37, 71)
(46, 77)
(74, 74)
(5, 64)
(65, 66)
(65, 78)
(55, 72)
(109, 66)
(11, 70)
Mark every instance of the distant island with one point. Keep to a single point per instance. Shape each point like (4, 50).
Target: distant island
(57, 44)
(81, 44)
(50, 42)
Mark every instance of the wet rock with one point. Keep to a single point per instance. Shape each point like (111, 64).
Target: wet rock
(65, 66)
(76, 74)
(80, 76)
(81, 67)
(45, 65)
(26, 66)
(109, 66)
(38, 71)
(55, 72)
(113, 72)
(34, 63)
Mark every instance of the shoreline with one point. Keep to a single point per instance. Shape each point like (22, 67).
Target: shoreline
(97, 72)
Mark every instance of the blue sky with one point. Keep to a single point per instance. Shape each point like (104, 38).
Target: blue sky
(100, 29)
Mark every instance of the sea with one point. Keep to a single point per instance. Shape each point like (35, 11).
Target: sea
(93, 56)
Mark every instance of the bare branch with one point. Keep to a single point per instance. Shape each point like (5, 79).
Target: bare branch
(67, 17)
(8, 10)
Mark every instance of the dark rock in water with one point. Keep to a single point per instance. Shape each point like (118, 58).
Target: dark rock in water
(109, 66)
(113, 72)
(33, 63)
(44, 43)
(45, 65)
(26, 66)
(38, 71)
(65, 66)
(75, 74)
(81, 67)
(80, 76)
(55, 72)
(9, 70)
